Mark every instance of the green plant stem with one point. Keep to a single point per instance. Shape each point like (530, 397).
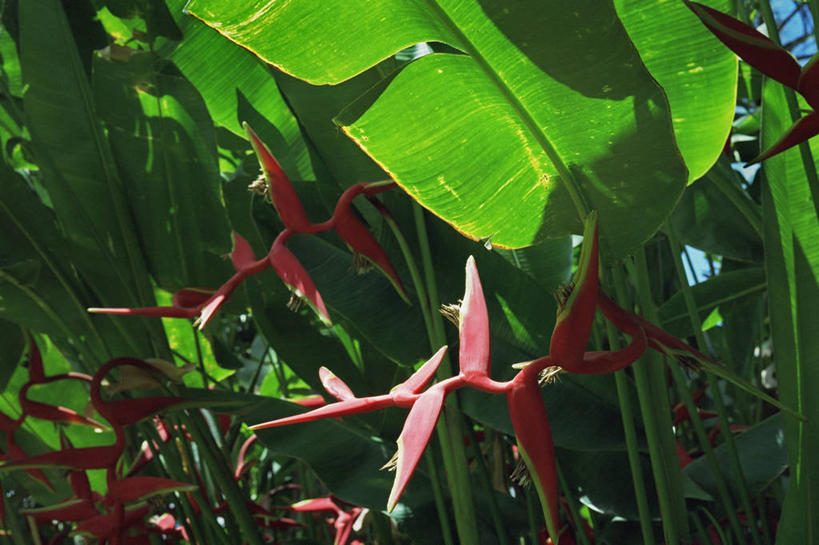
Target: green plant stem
(450, 431)
(632, 449)
(531, 510)
(173, 465)
(424, 304)
(716, 394)
(652, 393)
(224, 479)
(486, 483)
(705, 445)
(415, 275)
(580, 533)
(440, 504)
(763, 517)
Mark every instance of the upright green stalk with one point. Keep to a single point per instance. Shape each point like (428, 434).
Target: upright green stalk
(450, 430)
(627, 415)
(483, 477)
(713, 386)
(224, 479)
(649, 376)
(424, 304)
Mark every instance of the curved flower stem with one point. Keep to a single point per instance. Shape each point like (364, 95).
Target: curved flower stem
(716, 394)
(450, 430)
(649, 376)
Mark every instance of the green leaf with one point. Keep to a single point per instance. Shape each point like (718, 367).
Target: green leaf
(522, 118)
(708, 295)
(792, 265)
(761, 453)
(77, 165)
(697, 72)
(705, 217)
(165, 146)
(234, 83)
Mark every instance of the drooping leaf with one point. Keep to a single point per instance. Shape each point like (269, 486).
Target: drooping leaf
(526, 143)
(697, 73)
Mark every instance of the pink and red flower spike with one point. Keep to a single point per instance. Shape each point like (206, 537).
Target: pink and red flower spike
(284, 196)
(414, 438)
(401, 397)
(474, 355)
(772, 60)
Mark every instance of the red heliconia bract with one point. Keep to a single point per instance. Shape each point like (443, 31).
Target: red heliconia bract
(293, 274)
(473, 326)
(577, 303)
(284, 196)
(775, 62)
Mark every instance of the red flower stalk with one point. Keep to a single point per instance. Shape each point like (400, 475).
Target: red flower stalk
(775, 62)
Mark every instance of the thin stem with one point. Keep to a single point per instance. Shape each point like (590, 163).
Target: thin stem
(440, 504)
(739, 198)
(483, 477)
(224, 479)
(424, 304)
(199, 359)
(690, 268)
(716, 394)
(652, 393)
(632, 448)
(531, 510)
(573, 512)
(450, 431)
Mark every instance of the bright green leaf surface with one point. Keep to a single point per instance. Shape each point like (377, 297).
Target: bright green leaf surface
(522, 119)
(697, 72)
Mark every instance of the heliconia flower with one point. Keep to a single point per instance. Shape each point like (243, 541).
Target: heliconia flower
(53, 413)
(364, 245)
(111, 524)
(343, 522)
(36, 372)
(186, 303)
(284, 196)
(310, 402)
(775, 62)
(242, 255)
(577, 303)
(683, 353)
(402, 397)
(473, 326)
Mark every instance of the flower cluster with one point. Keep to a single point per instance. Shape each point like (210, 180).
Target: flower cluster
(202, 304)
(577, 305)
